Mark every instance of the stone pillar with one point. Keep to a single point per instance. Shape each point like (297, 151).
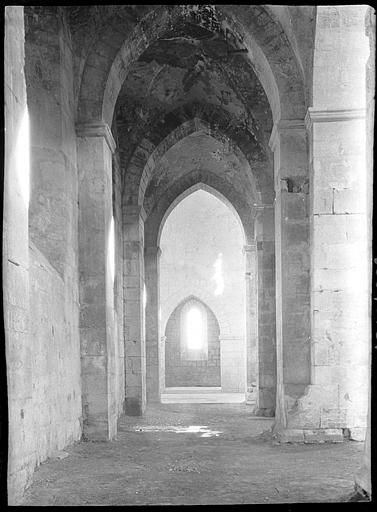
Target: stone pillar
(252, 355)
(95, 146)
(134, 313)
(288, 142)
(363, 483)
(338, 395)
(152, 327)
(15, 263)
(266, 310)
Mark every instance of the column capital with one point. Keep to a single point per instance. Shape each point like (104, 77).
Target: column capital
(327, 116)
(134, 210)
(262, 207)
(230, 338)
(97, 129)
(282, 126)
(251, 247)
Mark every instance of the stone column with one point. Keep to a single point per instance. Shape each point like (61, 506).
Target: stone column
(363, 483)
(335, 403)
(152, 324)
(266, 310)
(288, 142)
(95, 146)
(252, 356)
(134, 313)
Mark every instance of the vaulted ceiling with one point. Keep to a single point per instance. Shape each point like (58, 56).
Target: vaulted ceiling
(196, 69)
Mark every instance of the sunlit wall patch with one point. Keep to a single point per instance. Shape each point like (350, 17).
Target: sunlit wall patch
(218, 275)
(111, 249)
(22, 155)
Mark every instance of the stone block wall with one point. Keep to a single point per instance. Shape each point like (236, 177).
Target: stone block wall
(56, 368)
(15, 264)
(43, 355)
(53, 230)
(182, 372)
(337, 396)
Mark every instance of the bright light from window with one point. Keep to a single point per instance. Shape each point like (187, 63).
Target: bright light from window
(144, 296)
(218, 275)
(194, 329)
(23, 158)
(111, 249)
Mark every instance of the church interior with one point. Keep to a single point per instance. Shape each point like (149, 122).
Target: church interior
(187, 219)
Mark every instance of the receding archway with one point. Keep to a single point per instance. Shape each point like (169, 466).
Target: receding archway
(192, 346)
(202, 245)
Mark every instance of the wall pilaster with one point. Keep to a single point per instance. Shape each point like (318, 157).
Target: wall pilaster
(134, 310)
(97, 338)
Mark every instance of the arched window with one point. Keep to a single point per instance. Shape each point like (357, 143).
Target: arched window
(194, 339)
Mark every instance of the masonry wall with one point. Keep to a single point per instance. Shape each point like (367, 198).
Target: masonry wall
(182, 372)
(53, 237)
(196, 232)
(56, 380)
(337, 397)
(21, 453)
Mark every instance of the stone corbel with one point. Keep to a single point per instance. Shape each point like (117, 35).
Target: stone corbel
(97, 129)
(284, 125)
(249, 248)
(327, 116)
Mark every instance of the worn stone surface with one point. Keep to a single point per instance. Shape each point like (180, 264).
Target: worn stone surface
(292, 436)
(168, 457)
(15, 265)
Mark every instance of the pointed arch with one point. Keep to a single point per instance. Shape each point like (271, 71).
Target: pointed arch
(191, 190)
(167, 200)
(269, 51)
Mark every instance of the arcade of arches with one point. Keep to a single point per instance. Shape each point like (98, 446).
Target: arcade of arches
(117, 119)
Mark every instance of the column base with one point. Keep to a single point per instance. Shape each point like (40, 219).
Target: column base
(134, 407)
(97, 430)
(363, 484)
(310, 436)
(356, 433)
(268, 412)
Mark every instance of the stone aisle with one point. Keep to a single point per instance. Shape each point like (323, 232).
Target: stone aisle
(190, 454)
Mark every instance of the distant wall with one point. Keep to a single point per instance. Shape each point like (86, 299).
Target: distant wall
(182, 372)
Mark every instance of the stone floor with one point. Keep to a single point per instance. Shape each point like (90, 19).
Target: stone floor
(196, 454)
